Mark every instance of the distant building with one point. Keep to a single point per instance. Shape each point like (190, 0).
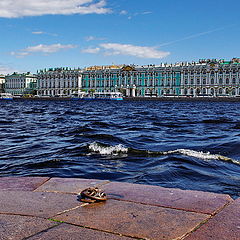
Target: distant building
(211, 78)
(20, 83)
(133, 80)
(204, 78)
(58, 81)
(2, 83)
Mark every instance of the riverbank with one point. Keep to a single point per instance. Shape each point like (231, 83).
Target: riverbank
(46, 208)
(163, 99)
(206, 99)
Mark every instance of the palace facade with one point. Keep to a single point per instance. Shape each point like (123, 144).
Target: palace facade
(20, 83)
(204, 78)
(2, 83)
(58, 81)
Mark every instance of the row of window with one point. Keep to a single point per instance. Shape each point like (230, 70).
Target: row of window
(212, 81)
(57, 77)
(211, 73)
(123, 75)
(59, 85)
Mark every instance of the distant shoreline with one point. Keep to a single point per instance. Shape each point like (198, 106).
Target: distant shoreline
(162, 99)
(206, 99)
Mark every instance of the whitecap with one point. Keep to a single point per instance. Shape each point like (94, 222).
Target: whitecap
(107, 150)
(201, 155)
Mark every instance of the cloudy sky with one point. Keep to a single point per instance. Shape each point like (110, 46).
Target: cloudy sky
(37, 34)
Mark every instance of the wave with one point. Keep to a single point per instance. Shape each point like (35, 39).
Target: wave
(120, 149)
(196, 154)
(107, 150)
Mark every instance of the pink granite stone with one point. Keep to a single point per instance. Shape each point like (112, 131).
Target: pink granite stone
(69, 185)
(21, 183)
(135, 220)
(36, 203)
(69, 232)
(223, 226)
(196, 201)
(20, 227)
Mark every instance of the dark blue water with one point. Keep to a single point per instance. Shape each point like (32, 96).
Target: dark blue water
(187, 145)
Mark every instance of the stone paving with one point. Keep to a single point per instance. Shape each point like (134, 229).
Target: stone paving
(48, 208)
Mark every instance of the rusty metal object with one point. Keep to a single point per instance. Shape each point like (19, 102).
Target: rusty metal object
(92, 194)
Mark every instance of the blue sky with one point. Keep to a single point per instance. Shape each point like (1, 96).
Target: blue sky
(37, 34)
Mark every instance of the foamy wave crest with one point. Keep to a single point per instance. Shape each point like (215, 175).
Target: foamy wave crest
(107, 150)
(201, 155)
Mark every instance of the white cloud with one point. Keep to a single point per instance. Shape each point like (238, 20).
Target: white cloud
(41, 48)
(4, 70)
(22, 8)
(123, 12)
(38, 33)
(44, 33)
(132, 50)
(89, 38)
(147, 12)
(91, 50)
(92, 38)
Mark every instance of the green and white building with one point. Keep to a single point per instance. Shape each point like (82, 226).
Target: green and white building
(20, 83)
(204, 78)
(2, 83)
(133, 81)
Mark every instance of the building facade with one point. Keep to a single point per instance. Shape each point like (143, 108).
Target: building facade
(133, 81)
(58, 82)
(211, 78)
(2, 83)
(20, 84)
(204, 78)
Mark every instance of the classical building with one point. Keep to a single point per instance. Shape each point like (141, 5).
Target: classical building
(204, 78)
(133, 80)
(20, 83)
(211, 78)
(2, 83)
(58, 81)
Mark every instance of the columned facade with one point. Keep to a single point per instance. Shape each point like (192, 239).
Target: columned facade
(212, 78)
(2, 83)
(133, 81)
(58, 82)
(20, 84)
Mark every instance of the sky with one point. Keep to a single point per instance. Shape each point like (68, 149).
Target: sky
(38, 34)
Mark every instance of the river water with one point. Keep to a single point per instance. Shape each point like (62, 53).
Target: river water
(187, 145)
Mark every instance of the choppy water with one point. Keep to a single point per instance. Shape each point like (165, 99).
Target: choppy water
(187, 145)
